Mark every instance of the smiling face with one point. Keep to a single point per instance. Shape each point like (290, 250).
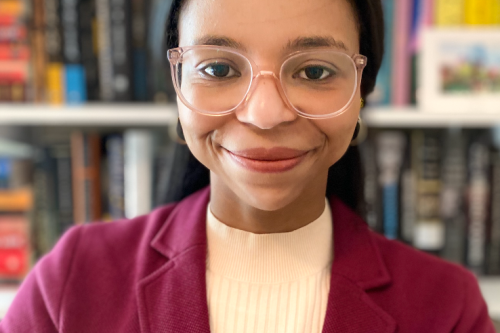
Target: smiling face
(235, 147)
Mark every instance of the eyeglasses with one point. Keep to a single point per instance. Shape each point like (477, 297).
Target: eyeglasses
(214, 80)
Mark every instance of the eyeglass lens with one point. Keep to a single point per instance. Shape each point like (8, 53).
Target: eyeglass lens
(315, 83)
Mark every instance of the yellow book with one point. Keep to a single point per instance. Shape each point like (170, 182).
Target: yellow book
(478, 12)
(495, 12)
(55, 83)
(449, 12)
(12, 7)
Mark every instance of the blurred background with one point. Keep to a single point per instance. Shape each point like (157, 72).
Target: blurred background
(88, 115)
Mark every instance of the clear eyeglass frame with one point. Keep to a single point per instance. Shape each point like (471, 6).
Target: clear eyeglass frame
(175, 55)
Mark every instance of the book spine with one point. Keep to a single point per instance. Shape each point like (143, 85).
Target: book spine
(429, 228)
(116, 186)
(454, 176)
(401, 53)
(390, 146)
(477, 206)
(105, 58)
(85, 159)
(88, 35)
(53, 47)
(75, 85)
(138, 172)
(14, 247)
(408, 216)
(449, 12)
(121, 47)
(140, 54)
(493, 263)
(62, 155)
(478, 12)
(38, 47)
(382, 93)
(371, 186)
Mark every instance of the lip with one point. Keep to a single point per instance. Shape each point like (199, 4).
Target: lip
(274, 160)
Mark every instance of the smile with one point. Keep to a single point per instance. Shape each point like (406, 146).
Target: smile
(275, 160)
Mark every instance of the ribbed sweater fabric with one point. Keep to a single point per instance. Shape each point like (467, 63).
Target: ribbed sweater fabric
(269, 282)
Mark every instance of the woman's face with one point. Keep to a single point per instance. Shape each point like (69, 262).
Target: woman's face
(264, 28)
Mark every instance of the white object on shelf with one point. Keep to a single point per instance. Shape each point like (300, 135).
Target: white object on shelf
(409, 117)
(129, 114)
(7, 295)
(490, 287)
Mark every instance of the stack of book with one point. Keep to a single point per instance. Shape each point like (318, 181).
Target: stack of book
(71, 52)
(437, 190)
(15, 53)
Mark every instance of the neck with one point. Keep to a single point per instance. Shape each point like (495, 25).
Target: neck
(304, 207)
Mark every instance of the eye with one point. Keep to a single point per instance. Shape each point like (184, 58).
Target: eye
(220, 70)
(314, 73)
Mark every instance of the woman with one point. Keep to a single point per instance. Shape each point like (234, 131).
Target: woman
(269, 95)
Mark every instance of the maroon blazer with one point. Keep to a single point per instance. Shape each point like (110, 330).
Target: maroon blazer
(148, 275)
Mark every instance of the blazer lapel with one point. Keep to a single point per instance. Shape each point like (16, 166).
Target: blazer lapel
(174, 298)
(357, 267)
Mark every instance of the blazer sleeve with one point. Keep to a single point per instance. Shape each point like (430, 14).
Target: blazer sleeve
(474, 317)
(37, 305)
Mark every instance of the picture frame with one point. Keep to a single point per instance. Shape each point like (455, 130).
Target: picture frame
(459, 71)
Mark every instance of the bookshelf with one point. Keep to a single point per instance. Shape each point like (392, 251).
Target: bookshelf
(166, 114)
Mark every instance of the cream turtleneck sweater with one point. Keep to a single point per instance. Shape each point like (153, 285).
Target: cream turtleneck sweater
(275, 283)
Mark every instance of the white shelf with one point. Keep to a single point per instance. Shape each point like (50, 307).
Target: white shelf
(129, 114)
(490, 287)
(413, 117)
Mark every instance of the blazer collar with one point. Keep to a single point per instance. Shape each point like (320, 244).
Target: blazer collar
(173, 298)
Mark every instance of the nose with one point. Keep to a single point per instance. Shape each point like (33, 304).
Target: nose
(265, 106)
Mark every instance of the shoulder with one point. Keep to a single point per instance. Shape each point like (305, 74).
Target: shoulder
(431, 287)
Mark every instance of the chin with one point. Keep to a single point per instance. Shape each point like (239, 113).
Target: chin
(269, 198)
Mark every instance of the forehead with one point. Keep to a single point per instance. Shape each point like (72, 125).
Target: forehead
(269, 26)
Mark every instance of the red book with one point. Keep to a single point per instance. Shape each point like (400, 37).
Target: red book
(14, 247)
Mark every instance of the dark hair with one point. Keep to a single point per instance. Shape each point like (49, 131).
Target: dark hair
(345, 178)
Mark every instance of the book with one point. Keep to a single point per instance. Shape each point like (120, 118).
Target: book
(382, 92)
(116, 168)
(449, 12)
(14, 247)
(478, 12)
(401, 65)
(140, 50)
(89, 48)
(121, 49)
(138, 172)
(55, 86)
(390, 152)
(478, 204)
(452, 197)
(85, 161)
(429, 229)
(39, 58)
(493, 248)
(105, 55)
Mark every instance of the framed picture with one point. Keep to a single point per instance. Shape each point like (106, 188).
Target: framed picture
(459, 70)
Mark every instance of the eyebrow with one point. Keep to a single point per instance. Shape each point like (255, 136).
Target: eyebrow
(299, 43)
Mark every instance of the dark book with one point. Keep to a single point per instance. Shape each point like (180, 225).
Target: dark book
(116, 181)
(478, 203)
(454, 181)
(54, 70)
(429, 228)
(140, 10)
(105, 61)
(390, 155)
(64, 203)
(85, 161)
(121, 49)
(372, 196)
(160, 76)
(87, 17)
(493, 254)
